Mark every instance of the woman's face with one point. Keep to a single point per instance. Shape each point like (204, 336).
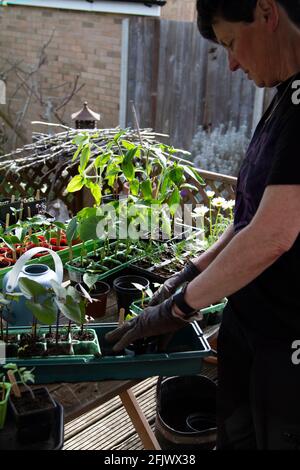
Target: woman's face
(250, 48)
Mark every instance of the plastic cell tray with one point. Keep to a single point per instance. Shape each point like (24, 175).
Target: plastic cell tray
(91, 347)
(183, 356)
(48, 260)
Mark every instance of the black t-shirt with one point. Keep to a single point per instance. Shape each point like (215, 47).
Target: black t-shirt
(270, 305)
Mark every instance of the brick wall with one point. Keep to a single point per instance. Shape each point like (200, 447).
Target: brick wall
(179, 10)
(84, 44)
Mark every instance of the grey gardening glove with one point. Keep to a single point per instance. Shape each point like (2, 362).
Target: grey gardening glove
(170, 286)
(153, 321)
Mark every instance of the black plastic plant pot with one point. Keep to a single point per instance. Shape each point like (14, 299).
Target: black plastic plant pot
(99, 292)
(34, 417)
(127, 292)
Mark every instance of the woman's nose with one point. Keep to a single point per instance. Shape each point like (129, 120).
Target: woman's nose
(233, 63)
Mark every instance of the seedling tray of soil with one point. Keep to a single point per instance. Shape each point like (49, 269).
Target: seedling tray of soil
(183, 356)
(76, 345)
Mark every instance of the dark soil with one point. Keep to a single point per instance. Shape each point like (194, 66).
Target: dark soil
(51, 337)
(33, 349)
(84, 336)
(10, 339)
(28, 339)
(11, 350)
(26, 404)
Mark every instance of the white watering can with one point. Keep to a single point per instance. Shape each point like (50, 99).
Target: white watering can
(17, 313)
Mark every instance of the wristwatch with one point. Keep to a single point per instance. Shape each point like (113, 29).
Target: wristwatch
(178, 299)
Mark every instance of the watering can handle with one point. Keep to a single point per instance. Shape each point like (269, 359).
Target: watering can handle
(13, 275)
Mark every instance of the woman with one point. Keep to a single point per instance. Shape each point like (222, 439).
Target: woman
(256, 262)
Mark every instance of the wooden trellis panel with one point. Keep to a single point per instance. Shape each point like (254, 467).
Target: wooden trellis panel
(222, 185)
(45, 177)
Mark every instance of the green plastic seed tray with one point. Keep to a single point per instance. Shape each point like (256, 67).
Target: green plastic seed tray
(183, 356)
(48, 260)
(78, 349)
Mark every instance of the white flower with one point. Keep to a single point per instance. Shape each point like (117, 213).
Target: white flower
(218, 202)
(200, 211)
(229, 204)
(210, 194)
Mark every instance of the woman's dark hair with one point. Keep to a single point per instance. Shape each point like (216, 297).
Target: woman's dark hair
(236, 11)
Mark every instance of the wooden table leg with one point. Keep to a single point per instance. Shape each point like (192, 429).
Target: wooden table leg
(139, 421)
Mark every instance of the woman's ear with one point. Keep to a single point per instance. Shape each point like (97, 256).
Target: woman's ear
(269, 13)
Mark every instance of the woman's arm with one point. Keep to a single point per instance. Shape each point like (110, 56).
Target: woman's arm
(270, 234)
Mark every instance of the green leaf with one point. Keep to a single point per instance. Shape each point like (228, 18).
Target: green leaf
(3, 300)
(77, 153)
(189, 186)
(149, 292)
(165, 185)
(119, 135)
(176, 175)
(134, 187)
(146, 189)
(194, 174)
(75, 184)
(11, 366)
(31, 288)
(72, 292)
(128, 167)
(183, 152)
(174, 201)
(70, 309)
(84, 157)
(127, 145)
(96, 192)
(34, 239)
(138, 286)
(160, 156)
(60, 225)
(81, 138)
(45, 312)
(10, 240)
(102, 160)
(72, 230)
(59, 291)
(88, 227)
(86, 212)
(90, 279)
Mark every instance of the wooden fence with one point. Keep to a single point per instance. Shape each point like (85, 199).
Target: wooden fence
(179, 81)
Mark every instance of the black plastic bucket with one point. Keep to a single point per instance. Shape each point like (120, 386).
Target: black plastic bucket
(186, 413)
(127, 292)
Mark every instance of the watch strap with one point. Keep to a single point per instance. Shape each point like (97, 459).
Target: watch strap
(178, 299)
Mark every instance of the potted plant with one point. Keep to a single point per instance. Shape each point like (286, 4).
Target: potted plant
(33, 410)
(5, 388)
(95, 293)
(129, 288)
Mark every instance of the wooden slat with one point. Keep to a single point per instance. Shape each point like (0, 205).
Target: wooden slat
(194, 85)
(82, 422)
(139, 421)
(114, 428)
